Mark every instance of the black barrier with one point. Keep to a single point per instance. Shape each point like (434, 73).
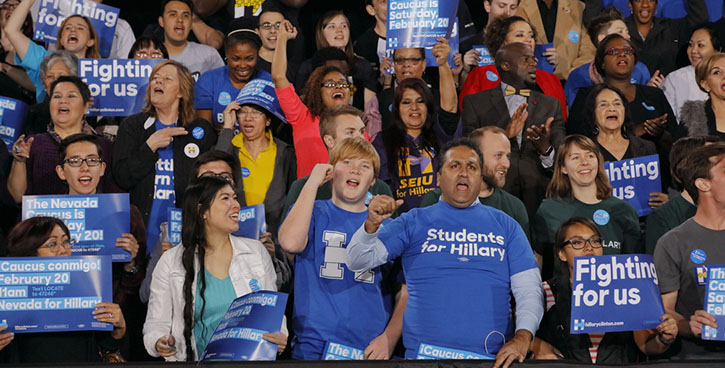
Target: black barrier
(394, 364)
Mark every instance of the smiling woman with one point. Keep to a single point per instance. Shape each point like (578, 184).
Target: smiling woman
(217, 87)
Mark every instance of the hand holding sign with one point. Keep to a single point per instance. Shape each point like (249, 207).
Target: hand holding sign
(129, 243)
(441, 51)
(5, 337)
(111, 313)
(471, 58)
(667, 329)
(380, 208)
(162, 138)
(552, 56)
(699, 318)
(276, 338)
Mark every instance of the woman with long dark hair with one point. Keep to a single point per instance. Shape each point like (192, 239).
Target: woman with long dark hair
(408, 148)
(49, 237)
(195, 282)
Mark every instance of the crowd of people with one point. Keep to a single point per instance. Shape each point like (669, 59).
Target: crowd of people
(409, 202)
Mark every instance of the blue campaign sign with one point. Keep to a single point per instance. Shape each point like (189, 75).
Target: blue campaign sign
(51, 294)
(336, 351)
(174, 226)
(427, 351)
(12, 119)
(239, 334)
(430, 60)
(260, 92)
(418, 23)
(252, 222)
(118, 86)
(52, 13)
(634, 179)
(95, 221)
(615, 293)
(486, 57)
(543, 64)
(715, 302)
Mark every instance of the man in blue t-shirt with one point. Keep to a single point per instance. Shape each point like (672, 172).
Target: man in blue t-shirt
(461, 261)
(335, 306)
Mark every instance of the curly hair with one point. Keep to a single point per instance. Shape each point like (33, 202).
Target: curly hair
(312, 93)
(394, 136)
(497, 32)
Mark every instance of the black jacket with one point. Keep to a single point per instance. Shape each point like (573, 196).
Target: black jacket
(134, 164)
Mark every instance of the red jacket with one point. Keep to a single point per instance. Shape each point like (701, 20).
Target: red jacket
(486, 77)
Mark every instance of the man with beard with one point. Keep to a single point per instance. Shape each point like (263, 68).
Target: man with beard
(496, 150)
(531, 120)
(461, 261)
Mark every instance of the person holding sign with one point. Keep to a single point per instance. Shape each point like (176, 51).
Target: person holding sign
(195, 282)
(33, 168)
(156, 148)
(580, 237)
(327, 86)
(462, 261)
(216, 88)
(332, 304)
(502, 32)
(611, 127)
(683, 254)
(49, 237)
(580, 187)
(76, 34)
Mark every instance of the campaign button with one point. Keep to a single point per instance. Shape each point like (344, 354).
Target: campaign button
(191, 150)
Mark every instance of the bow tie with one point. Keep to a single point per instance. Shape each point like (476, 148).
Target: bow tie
(513, 91)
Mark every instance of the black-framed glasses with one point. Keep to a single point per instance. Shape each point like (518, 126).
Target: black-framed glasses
(333, 84)
(77, 161)
(267, 26)
(412, 61)
(619, 51)
(579, 243)
(56, 246)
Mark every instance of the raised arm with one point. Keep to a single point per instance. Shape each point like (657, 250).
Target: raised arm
(449, 96)
(279, 61)
(294, 229)
(14, 28)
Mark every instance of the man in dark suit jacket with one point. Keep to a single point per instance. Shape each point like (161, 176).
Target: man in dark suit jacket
(532, 121)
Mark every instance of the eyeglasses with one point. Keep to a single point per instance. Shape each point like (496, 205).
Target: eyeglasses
(267, 26)
(9, 6)
(56, 247)
(333, 84)
(145, 55)
(579, 243)
(411, 61)
(250, 112)
(224, 174)
(77, 161)
(619, 51)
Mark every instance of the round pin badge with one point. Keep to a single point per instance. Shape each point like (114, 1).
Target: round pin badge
(698, 256)
(245, 172)
(573, 36)
(198, 132)
(254, 285)
(601, 217)
(224, 98)
(191, 150)
(491, 76)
